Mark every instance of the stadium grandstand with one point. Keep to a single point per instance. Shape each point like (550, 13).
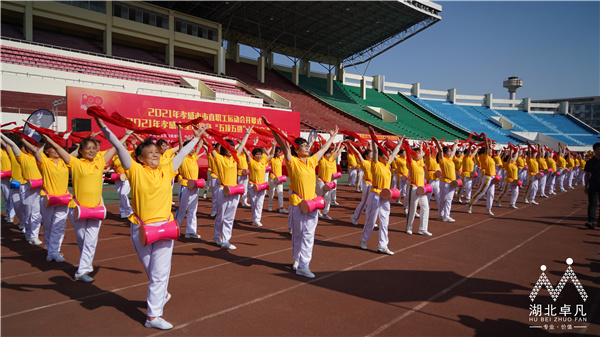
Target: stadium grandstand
(189, 51)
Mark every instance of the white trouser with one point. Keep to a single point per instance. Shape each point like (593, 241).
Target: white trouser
(156, 259)
(394, 180)
(486, 188)
(570, 178)
(226, 208)
(445, 200)
(378, 208)
(542, 185)
(215, 184)
(325, 195)
(275, 187)
(413, 200)
(532, 188)
(333, 192)
(352, 177)
(86, 233)
(188, 205)
(514, 193)
(362, 206)
(402, 186)
(257, 201)
(467, 187)
(244, 181)
(303, 235)
(55, 222)
(123, 188)
(522, 175)
(561, 178)
(17, 200)
(31, 210)
(435, 190)
(551, 183)
(8, 202)
(359, 185)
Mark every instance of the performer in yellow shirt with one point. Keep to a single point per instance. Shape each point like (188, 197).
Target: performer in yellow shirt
(30, 196)
(274, 185)
(188, 196)
(401, 175)
(151, 197)
(533, 185)
(301, 169)
(377, 206)
(512, 178)
(6, 175)
(352, 171)
(543, 167)
(243, 179)
(487, 188)
(366, 183)
(445, 158)
(258, 166)
(213, 177)
(16, 181)
(327, 167)
(416, 179)
(468, 167)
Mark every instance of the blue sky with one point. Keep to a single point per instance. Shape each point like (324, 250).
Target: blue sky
(554, 47)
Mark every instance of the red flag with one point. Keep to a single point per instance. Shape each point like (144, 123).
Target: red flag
(190, 122)
(281, 135)
(50, 133)
(224, 143)
(118, 120)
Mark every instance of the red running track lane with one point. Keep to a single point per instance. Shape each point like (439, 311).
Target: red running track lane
(471, 278)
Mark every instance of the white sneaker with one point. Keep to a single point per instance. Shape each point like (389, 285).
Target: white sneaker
(326, 217)
(57, 258)
(204, 196)
(409, 231)
(295, 265)
(533, 202)
(212, 215)
(167, 298)
(498, 204)
(305, 272)
(526, 201)
(563, 190)
(228, 246)
(417, 215)
(514, 207)
(283, 211)
(399, 203)
(158, 323)
(489, 212)
(448, 219)
(469, 209)
(257, 224)
(270, 209)
(385, 251)
(217, 240)
(363, 245)
(334, 203)
(84, 278)
(192, 236)
(354, 222)
(245, 204)
(290, 231)
(34, 241)
(426, 233)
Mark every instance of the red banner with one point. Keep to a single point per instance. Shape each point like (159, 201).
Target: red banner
(161, 112)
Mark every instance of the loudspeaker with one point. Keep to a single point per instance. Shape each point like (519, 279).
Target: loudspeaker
(81, 124)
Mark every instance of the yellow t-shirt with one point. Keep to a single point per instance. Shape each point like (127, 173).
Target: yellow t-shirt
(512, 173)
(242, 164)
(87, 180)
(448, 170)
(570, 163)
(551, 164)
(276, 167)
(497, 160)
(382, 177)
(543, 165)
(432, 167)
(117, 166)
(212, 167)
(15, 168)
(55, 175)
(5, 158)
(520, 162)
(151, 193)
(367, 174)
(533, 166)
(327, 167)
(29, 166)
(351, 161)
(302, 179)
(258, 170)
(458, 162)
(487, 164)
(188, 169)
(227, 168)
(401, 168)
(415, 173)
(468, 165)
(561, 163)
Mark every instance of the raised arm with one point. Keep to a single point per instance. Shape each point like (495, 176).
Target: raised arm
(178, 159)
(283, 144)
(356, 152)
(112, 151)
(62, 153)
(374, 152)
(117, 148)
(396, 150)
(15, 149)
(245, 139)
(272, 152)
(332, 134)
(37, 152)
(179, 136)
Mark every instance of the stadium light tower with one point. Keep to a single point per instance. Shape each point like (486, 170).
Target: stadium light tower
(512, 84)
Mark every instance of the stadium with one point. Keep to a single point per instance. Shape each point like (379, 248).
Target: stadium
(158, 63)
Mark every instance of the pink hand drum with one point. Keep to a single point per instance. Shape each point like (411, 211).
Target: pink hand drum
(35, 183)
(336, 175)
(244, 172)
(280, 180)
(456, 183)
(550, 170)
(423, 190)
(200, 183)
(6, 174)
(539, 175)
(308, 206)
(329, 186)
(496, 179)
(167, 231)
(474, 174)
(260, 187)
(517, 183)
(438, 173)
(404, 178)
(390, 193)
(232, 190)
(268, 168)
(557, 173)
(98, 213)
(51, 200)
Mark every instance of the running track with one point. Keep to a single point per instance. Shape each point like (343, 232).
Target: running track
(471, 278)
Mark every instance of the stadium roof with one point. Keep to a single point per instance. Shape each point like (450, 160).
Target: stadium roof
(323, 31)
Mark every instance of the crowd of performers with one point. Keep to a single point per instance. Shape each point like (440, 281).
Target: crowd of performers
(35, 179)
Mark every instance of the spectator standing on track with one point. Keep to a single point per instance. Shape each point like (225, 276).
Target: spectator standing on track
(592, 185)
